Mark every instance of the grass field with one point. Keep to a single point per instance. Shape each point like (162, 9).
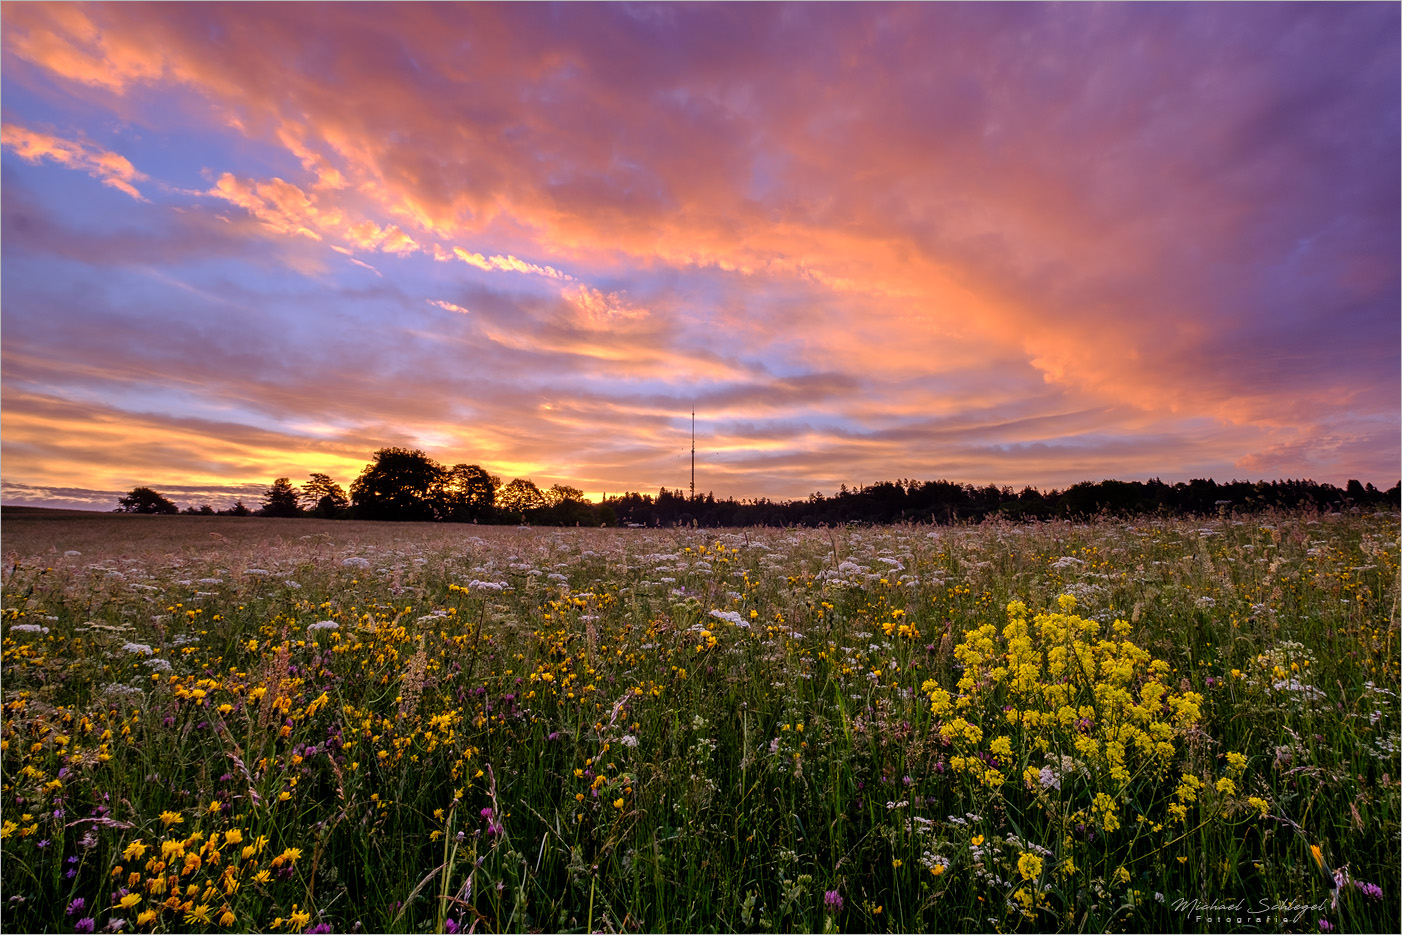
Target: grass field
(298, 725)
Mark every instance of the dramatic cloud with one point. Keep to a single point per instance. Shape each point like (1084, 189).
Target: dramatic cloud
(1022, 244)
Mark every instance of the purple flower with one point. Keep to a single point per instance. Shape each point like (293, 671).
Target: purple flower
(1371, 890)
(1324, 925)
(832, 899)
(319, 929)
(487, 814)
(43, 844)
(76, 906)
(84, 925)
(554, 735)
(450, 926)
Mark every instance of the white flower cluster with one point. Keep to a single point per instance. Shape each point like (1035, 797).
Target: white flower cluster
(730, 616)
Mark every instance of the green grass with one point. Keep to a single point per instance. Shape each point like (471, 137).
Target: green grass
(687, 730)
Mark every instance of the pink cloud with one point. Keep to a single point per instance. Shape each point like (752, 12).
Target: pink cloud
(110, 168)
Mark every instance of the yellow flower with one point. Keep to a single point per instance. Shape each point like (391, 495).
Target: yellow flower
(978, 839)
(171, 818)
(618, 803)
(134, 850)
(199, 915)
(299, 919)
(228, 918)
(129, 900)
(1226, 786)
(291, 854)
(262, 876)
(1030, 866)
(147, 917)
(233, 836)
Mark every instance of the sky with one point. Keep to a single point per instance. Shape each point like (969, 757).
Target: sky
(990, 243)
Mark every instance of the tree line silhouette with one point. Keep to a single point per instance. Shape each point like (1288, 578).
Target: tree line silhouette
(406, 485)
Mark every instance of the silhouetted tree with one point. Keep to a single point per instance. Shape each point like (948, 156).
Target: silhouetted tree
(238, 509)
(560, 493)
(466, 492)
(397, 485)
(281, 499)
(520, 496)
(144, 500)
(324, 497)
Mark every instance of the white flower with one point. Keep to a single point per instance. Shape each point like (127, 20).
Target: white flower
(628, 740)
(28, 628)
(138, 649)
(355, 561)
(730, 616)
(323, 625)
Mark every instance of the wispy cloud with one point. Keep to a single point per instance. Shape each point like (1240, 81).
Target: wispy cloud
(110, 168)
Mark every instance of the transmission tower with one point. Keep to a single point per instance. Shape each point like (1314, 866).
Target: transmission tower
(693, 453)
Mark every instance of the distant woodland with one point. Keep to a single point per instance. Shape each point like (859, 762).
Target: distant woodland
(406, 485)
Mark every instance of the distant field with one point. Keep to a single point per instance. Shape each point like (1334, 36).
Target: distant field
(36, 531)
(257, 724)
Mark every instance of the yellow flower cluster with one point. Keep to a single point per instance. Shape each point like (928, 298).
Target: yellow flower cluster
(1059, 689)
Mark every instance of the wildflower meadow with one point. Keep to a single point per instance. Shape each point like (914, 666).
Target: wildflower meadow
(221, 724)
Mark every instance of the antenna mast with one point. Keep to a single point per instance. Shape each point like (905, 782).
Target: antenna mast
(693, 453)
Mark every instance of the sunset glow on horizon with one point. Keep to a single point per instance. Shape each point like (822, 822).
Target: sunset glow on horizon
(991, 243)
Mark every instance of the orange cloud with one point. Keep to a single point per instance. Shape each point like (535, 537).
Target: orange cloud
(505, 264)
(113, 170)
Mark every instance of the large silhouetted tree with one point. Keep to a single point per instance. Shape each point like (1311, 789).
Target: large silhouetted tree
(398, 484)
(145, 500)
(281, 499)
(519, 497)
(466, 492)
